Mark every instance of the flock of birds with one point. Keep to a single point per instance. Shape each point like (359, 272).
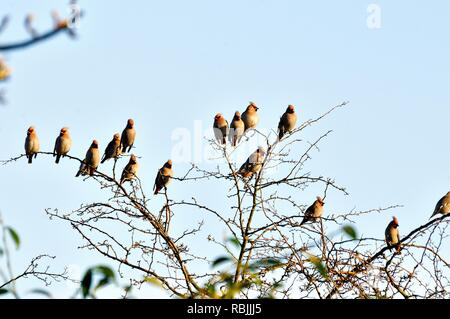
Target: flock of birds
(120, 144)
(123, 143)
(392, 234)
(234, 132)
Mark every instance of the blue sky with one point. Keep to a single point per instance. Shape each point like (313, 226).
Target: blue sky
(168, 64)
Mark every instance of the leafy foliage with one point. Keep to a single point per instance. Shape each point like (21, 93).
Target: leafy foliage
(102, 275)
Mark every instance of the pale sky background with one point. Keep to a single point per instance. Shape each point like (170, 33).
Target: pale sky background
(169, 63)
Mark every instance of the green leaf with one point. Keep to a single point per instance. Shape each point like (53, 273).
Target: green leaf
(14, 236)
(86, 283)
(220, 260)
(322, 270)
(153, 280)
(350, 231)
(235, 242)
(319, 266)
(105, 271)
(211, 289)
(41, 292)
(103, 282)
(3, 291)
(226, 277)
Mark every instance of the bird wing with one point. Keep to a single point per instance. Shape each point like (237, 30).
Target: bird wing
(227, 128)
(56, 145)
(157, 179)
(108, 150)
(282, 119)
(438, 206)
(244, 167)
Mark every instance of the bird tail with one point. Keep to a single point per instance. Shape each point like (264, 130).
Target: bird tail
(224, 140)
(30, 159)
(57, 158)
(157, 189)
(78, 173)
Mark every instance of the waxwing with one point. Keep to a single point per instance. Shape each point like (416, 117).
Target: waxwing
(31, 144)
(130, 171)
(91, 161)
(314, 212)
(128, 136)
(442, 206)
(392, 235)
(253, 164)
(250, 117)
(220, 128)
(113, 149)
(62, 144)
(287, 122)
(237, 129)
(163, 177)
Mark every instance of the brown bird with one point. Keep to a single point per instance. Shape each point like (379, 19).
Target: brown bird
(392, 235)
(250, 117)
(314, 212)
(91, 161)
(62, 144)
(253, 164)
(131, 169)
(31, 144)
(237, 128)
(128, 136)
(163, 177)
(287, 122)
(220, 128)
(442, 206)
(113, 149)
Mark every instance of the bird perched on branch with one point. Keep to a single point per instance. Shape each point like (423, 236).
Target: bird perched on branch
(113, 150)
(128, 136)
(392, 235)
(250, 117)
(31, 144)
(62, 144)
(287, 122)
(253, 164)
(314, 212)
(237, 128)
(220, 127)
(91, 160)
(163, 177)
(130, 170)
(442, 206)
